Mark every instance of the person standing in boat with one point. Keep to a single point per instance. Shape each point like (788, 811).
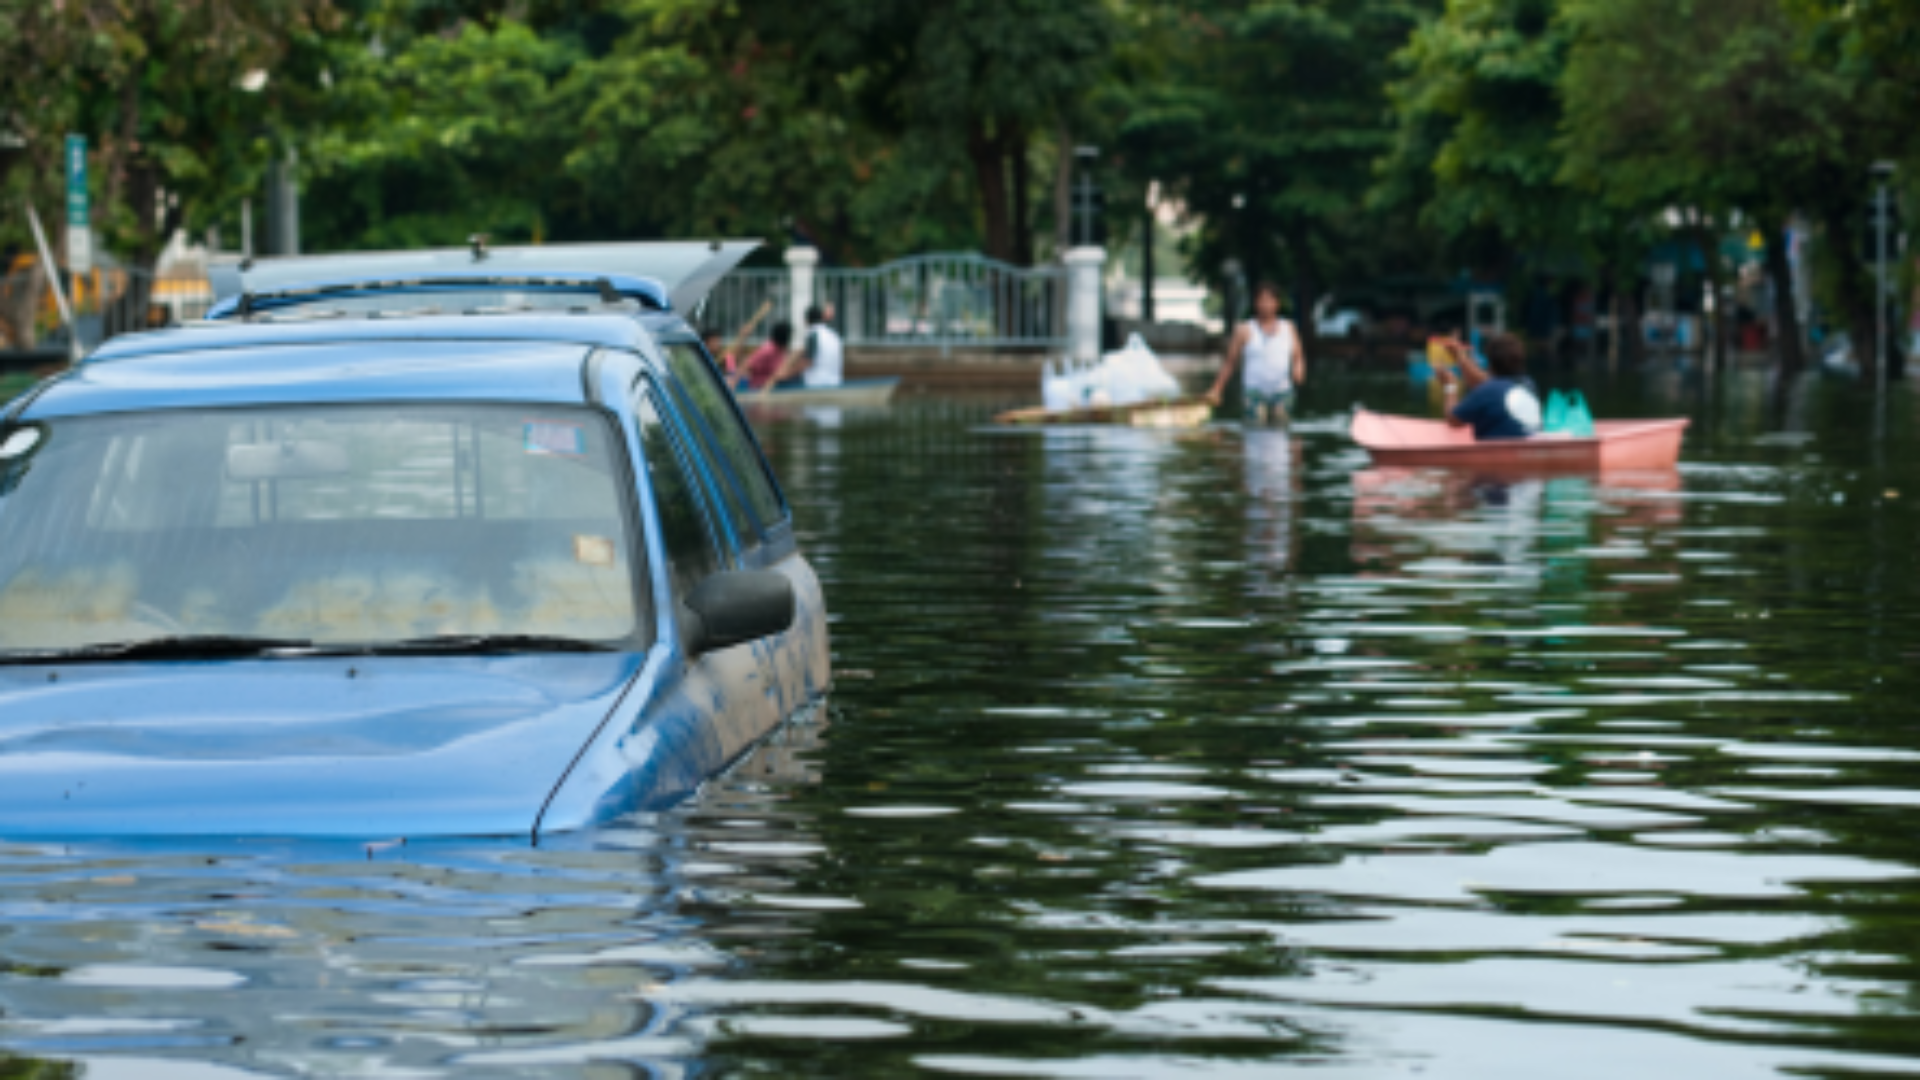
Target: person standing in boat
(1501, 404)
(1275, 363)
(821, 358)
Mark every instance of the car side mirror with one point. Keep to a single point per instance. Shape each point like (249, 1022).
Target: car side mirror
(734, 607)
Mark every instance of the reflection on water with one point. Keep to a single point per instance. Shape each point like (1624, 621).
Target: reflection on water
(1152, 753)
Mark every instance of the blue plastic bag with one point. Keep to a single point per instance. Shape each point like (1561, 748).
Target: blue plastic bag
(1567, 414)
(1556, 421)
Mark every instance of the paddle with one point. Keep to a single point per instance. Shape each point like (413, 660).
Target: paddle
(746, 331)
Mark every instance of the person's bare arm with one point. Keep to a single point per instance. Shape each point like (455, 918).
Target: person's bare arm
(1471, 373)
(1299, 356)
(1235, 346)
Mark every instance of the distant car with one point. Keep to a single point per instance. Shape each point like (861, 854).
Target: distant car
(396, 546)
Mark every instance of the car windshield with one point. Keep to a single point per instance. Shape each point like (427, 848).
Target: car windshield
(346, 525)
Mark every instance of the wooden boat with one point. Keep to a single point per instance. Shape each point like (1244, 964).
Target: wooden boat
(1187, 412)
(1617, 446)
(853, 392)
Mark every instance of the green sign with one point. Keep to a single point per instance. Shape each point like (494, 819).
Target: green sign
(77, 180)
(79, 209)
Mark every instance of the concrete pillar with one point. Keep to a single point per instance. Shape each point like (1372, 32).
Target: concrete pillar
(801, 262)
(1083, 301)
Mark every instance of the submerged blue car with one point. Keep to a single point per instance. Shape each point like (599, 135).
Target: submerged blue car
(431, 544)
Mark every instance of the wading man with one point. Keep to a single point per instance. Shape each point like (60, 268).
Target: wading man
(1269, 347)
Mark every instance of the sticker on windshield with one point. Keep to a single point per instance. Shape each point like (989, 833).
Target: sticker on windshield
(548, 438)
(593, 550)
(20, 443)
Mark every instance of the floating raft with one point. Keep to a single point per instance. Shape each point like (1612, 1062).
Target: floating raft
(853, 392)
(1188, 412)
(1617, 446)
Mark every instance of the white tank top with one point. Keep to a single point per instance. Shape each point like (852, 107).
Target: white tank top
(828, 357)
(1269, 358)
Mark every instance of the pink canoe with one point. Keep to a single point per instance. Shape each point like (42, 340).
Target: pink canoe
(1617, 446)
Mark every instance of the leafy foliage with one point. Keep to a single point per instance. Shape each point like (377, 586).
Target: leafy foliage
(155, 84)
(1265, 119)
(444, 135)
(1478, 141)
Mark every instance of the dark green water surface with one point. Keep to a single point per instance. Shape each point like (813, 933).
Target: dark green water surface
(1162, 754)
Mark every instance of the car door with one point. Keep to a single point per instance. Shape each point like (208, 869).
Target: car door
(731, 692)
(744, 489)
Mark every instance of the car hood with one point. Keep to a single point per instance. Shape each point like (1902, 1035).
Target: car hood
(375, 748)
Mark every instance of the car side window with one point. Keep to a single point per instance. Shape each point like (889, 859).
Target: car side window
(692, 551)
(723, 490)
(695, 373)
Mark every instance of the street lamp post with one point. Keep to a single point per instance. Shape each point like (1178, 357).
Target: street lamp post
(1882, 211)
(1088, 195)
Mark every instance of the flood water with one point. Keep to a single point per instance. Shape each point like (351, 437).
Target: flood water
(1161, 754)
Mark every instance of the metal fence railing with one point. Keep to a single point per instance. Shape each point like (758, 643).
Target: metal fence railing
(948, 301)
(951, 301)
(105, 303)
(740, 296)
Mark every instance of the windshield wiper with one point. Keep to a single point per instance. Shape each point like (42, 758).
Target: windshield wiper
(490, 644)
(183, 647)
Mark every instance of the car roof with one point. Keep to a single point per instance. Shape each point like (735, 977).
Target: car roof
(536, 358)
(675, 274)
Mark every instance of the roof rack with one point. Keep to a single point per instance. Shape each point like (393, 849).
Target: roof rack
(683, 272)
(608, 289)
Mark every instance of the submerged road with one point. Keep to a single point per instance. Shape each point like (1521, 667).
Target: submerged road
(1163, 754)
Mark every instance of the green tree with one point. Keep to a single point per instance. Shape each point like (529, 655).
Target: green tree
(442, 134)
(1265, 118)
(636, 118)
(169, 94)
(1477, 146)
(1705, 105)
(157, 87)
(951, 81)
(702, 118)
(1867, 47)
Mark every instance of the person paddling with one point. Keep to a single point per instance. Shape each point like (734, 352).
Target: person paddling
(763, 367)
(1502, 404)
(1275, 362)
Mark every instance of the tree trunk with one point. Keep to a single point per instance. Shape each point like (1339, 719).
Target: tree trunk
(1856, 286)
(1615, 321)
(1063, 191)
(1786, 312)
(1147, 269)
(1016, 148)
(1709, 243)
(1306, 283)
(990, 171)
(1632, 341)
(128, 311)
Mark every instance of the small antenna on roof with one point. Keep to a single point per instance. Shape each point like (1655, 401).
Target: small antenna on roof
(478, 242)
